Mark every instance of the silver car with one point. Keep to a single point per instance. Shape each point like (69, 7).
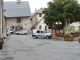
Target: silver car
(8, 33)
(21, 32)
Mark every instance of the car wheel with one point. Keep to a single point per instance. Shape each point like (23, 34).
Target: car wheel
(35, 37)
(47, 37)
(25, 33)
(9, 34)
(17, 33)
(12, 33)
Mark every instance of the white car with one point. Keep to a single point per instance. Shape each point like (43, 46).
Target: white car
(36, 33)
(8, 33)
(11, 31)
(21, 32)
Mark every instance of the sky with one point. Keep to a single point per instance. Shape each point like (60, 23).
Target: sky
(36, 4)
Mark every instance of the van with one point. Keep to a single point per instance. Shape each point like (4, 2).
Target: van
(36, 33)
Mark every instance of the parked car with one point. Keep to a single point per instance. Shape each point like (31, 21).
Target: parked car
(21, 32)
(40, 33)
(8, 33)
(11, 31)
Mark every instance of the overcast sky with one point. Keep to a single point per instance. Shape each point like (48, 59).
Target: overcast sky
(35, 3)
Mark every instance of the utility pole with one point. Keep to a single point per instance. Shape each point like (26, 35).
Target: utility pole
(1, 16)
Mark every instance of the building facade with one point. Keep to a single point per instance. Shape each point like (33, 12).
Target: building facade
(37, 20)
(76, 26)
(17, 15)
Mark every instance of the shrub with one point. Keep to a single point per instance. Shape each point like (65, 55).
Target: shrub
(1, 40)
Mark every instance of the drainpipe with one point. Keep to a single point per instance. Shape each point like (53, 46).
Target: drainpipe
(1, 16)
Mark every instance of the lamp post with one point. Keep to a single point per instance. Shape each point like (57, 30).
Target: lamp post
(1, 16)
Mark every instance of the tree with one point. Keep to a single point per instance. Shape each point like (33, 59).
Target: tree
(61, 10)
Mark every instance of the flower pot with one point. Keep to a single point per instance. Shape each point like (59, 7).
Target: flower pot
(68, 38)
(1, 44)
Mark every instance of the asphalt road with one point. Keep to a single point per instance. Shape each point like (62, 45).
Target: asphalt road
(24, 47)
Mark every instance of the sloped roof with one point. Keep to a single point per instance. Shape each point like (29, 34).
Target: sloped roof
(58, 26)
(37, 22)
(75, 24)
(17, 9)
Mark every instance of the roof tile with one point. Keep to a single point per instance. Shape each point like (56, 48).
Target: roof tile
(17, 9)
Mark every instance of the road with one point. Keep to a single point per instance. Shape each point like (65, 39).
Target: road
(24, 47)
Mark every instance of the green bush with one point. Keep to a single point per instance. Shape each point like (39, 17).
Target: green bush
(76, 32)
(68, 35)
(1, 40)
(67, 31)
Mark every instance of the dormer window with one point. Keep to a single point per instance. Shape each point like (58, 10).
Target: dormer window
(40, 14)
(39, 26)
(18, 20)
(4, 10)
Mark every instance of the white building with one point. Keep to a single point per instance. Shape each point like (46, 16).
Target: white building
(17, 15)
(76, 26)
(37, 20)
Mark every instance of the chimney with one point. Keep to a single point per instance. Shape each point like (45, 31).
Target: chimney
(41, 8)
(35, 9)
(18, 1)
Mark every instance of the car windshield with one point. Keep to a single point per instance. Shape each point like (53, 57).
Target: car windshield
(21, 30)
(10, 30)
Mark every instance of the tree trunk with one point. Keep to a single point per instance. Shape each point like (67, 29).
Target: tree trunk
(66, 23)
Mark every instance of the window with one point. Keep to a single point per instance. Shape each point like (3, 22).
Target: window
(73, 28)
(61, 31)
(38, 31)
(40, 14)
(4, 10)
(12, 27)
(39, 26)
(45, 27)
(42, 32)
(57, 31)
(18, 20)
